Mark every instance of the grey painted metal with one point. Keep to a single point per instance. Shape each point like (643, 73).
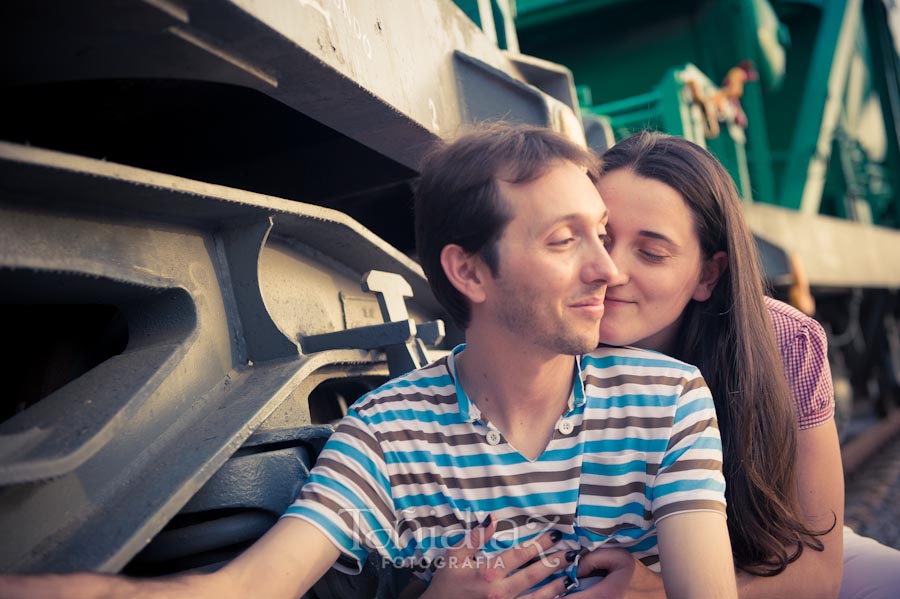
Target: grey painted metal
(242, 246)
(114, 455)
(431, 333)
(217, 284)
(371, 337)
(389, 289)
(398, 336)
(381, 73)
(834, 253)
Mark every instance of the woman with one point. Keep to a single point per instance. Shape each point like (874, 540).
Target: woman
(692, 288)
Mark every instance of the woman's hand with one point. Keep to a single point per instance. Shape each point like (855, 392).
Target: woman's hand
(468, 573)
(625, 577)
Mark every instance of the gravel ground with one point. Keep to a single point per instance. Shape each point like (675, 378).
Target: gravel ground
(872, 505)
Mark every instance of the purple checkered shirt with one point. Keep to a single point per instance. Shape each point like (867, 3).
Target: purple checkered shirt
(804, 352)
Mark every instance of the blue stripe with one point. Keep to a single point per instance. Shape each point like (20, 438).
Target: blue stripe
(626, 444)
(408, 415)
(525, 501)
(650, 360)
(363, 510)
(493, 545)
(701, 404)
(589, 467)
(346, 451)
(643, 400)
(449, 460)
(605, 511)
(707, 442)
(345, 542)
(590, 535)
(426, 382)
(509, 458)
(645, 545)
(680, 486)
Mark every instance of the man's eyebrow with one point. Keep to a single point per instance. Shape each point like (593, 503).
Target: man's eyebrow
(578, 216)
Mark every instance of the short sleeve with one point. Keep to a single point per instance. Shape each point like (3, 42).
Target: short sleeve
(348, 495)
(805, 360)
(690, 475)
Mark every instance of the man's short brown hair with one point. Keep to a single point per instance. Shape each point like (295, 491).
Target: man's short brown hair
(458, 201)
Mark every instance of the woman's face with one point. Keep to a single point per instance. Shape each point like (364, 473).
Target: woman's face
(655, 246)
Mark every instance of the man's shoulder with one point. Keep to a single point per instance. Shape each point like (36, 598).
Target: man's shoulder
(633, 358)
(432, 383)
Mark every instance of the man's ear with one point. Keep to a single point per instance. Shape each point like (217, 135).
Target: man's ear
(465, 271)
(712, 270)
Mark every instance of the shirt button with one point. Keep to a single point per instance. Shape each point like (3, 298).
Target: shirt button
(566, 427)
(493, 438)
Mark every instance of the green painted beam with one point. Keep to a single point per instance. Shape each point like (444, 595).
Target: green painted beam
(886, 78)
(539, 13)
(804, 176)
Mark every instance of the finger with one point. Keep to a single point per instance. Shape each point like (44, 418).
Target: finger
(528, 577)
(474, 539)
(555, 588)
(528, 551)
(601, 562)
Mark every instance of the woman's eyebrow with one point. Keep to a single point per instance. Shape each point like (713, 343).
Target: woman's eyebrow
(655, 235)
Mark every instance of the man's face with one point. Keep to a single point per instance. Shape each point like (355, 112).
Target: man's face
(553, 266)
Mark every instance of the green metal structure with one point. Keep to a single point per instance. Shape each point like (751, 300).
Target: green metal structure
(206, 240)
(799, 99)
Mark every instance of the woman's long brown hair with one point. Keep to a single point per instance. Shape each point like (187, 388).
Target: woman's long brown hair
(730, 338)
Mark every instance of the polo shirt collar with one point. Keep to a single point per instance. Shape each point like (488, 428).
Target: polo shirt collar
(469, 412)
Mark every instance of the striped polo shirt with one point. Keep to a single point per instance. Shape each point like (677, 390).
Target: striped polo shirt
(413, 465)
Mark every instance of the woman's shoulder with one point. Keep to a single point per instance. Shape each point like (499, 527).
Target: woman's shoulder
(789, 322)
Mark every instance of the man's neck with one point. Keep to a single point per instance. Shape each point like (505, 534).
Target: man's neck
(521, 389)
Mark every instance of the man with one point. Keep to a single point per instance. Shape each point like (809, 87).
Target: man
(516, 443)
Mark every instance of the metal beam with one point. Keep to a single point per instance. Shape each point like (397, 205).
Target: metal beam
(804, 176)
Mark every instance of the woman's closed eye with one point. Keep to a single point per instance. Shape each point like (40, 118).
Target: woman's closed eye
(653, 255)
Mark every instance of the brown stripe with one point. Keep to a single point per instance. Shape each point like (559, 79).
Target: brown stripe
(371, 499)
(695, 429)
(448, 521)
(376, 404)
(689, 505)
(435, 438)
(613, 490)
(482, 482)
(635, 379)
(612, 530)
(363, 436)
(696, 465)
(349, 517)
(694, 384)
(445, 523)
(664, 422)
(649, 560)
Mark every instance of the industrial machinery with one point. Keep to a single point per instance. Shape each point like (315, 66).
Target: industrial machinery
(205, 241)
(206, 247)
(800, 100)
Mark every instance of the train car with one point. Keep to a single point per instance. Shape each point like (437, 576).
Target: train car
(206, 254)
(800, 100)
(206, 247)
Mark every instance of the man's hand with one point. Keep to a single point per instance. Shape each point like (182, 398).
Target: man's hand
(468, 573)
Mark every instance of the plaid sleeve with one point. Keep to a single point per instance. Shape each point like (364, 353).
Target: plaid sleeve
(809, 375)
(804, 354)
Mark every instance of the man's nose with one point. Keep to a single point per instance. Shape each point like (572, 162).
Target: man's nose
(601, 268)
